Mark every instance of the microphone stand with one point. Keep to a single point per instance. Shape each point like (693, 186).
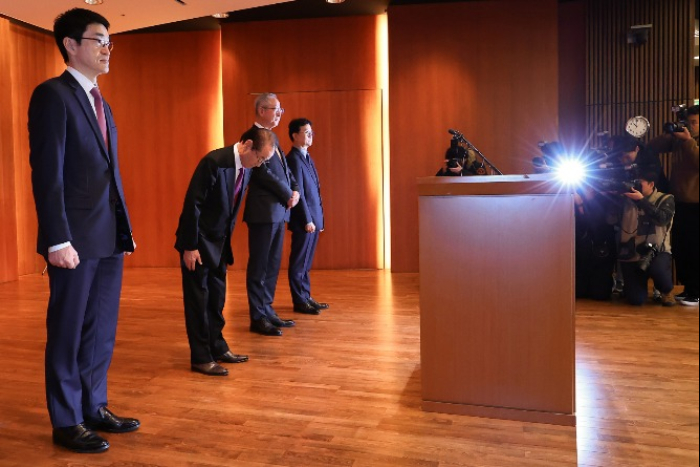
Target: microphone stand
(464, 140)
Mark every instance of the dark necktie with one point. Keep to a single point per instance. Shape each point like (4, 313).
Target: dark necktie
(100, 111)
(237, 190)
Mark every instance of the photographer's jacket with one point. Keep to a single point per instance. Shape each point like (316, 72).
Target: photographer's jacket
(648, 220)
(685, 177)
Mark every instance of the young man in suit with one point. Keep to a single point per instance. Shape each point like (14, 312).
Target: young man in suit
(204, 234)
(272, 193)
(84, 232)
(306, 221)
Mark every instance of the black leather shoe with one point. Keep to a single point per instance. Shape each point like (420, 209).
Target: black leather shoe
(110, 423)
(282, 323)
(80, 439)
(229, 357)
(306, 309)
(265, 327)
(318, 306)
(209, 369)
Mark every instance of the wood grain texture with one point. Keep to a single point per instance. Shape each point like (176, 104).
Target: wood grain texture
(497, 313)
(34, 59)
(335, 86)
(350, 175)
(572, 75)
(453, 65)
(344, 389)
(8, 216)
(168, 110)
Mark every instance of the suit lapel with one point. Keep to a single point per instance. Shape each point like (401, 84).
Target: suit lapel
(310, 166)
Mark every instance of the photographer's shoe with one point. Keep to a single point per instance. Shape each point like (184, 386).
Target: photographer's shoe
(681, 296)
(668, 300)
(689, 301)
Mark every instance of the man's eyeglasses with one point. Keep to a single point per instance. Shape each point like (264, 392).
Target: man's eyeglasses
(100, 43)
(276, 109)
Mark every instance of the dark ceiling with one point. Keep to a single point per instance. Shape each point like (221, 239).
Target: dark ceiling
(294, 10)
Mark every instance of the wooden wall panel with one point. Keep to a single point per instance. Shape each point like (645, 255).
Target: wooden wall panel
(350, 181)
(489, 69)
(625, 80)
(35, 58)
(8, 217)
(325, 70)
(572, 75)
(165, 91)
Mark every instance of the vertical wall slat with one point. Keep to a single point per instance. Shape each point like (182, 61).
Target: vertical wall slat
(626, 80)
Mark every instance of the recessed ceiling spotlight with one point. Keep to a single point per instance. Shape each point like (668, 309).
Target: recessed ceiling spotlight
(335, 1)
(220, 15)
(94, 2)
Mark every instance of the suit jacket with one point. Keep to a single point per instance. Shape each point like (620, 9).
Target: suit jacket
(208, 217)
(271, 187)
(77, 186)
(310, 207)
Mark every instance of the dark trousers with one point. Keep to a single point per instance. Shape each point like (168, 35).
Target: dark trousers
(81, 326)
(300, 261)
(265, 242)
(637, 281)
(204, 294)
(684, 236)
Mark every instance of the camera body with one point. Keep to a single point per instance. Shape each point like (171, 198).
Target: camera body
(456, 155)
(681, 125)
(647, 253)
(616, 178)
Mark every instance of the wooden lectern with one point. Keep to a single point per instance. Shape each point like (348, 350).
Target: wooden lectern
(497, 297)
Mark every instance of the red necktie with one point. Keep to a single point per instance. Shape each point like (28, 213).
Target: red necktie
(237, 189)
(100, 111)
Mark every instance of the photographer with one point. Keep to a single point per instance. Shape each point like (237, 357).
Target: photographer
(685, 187)
(644, 248)
(595, 244)
(630, 152)
(459, 161)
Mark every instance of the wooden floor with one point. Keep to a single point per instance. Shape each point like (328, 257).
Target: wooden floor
(344, 389)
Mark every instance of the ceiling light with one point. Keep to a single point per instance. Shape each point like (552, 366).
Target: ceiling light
(94, 2)
(335, 1)
(220, 15)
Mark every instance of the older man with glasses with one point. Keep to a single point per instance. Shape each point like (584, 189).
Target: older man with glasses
(272, 193)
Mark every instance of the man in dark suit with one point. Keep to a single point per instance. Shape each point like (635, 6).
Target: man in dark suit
(204, 241)
(84, 232)
(306, 221)
(272, 193)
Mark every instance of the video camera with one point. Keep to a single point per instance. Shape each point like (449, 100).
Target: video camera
(615, 178)
(457, 155)
(681, 125)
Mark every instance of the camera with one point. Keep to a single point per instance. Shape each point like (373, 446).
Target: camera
(681, 112)
(456, 155)
(614, 177)
(647, 253)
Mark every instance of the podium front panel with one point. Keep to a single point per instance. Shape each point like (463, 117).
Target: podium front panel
(497, 305)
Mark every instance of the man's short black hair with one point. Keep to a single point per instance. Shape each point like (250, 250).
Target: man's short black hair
(295, 126)
(694, 110)
(650, 176)
(260, 138)
(73, 23)
(624, 143)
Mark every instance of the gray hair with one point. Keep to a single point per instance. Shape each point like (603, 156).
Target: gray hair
(264, 99)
